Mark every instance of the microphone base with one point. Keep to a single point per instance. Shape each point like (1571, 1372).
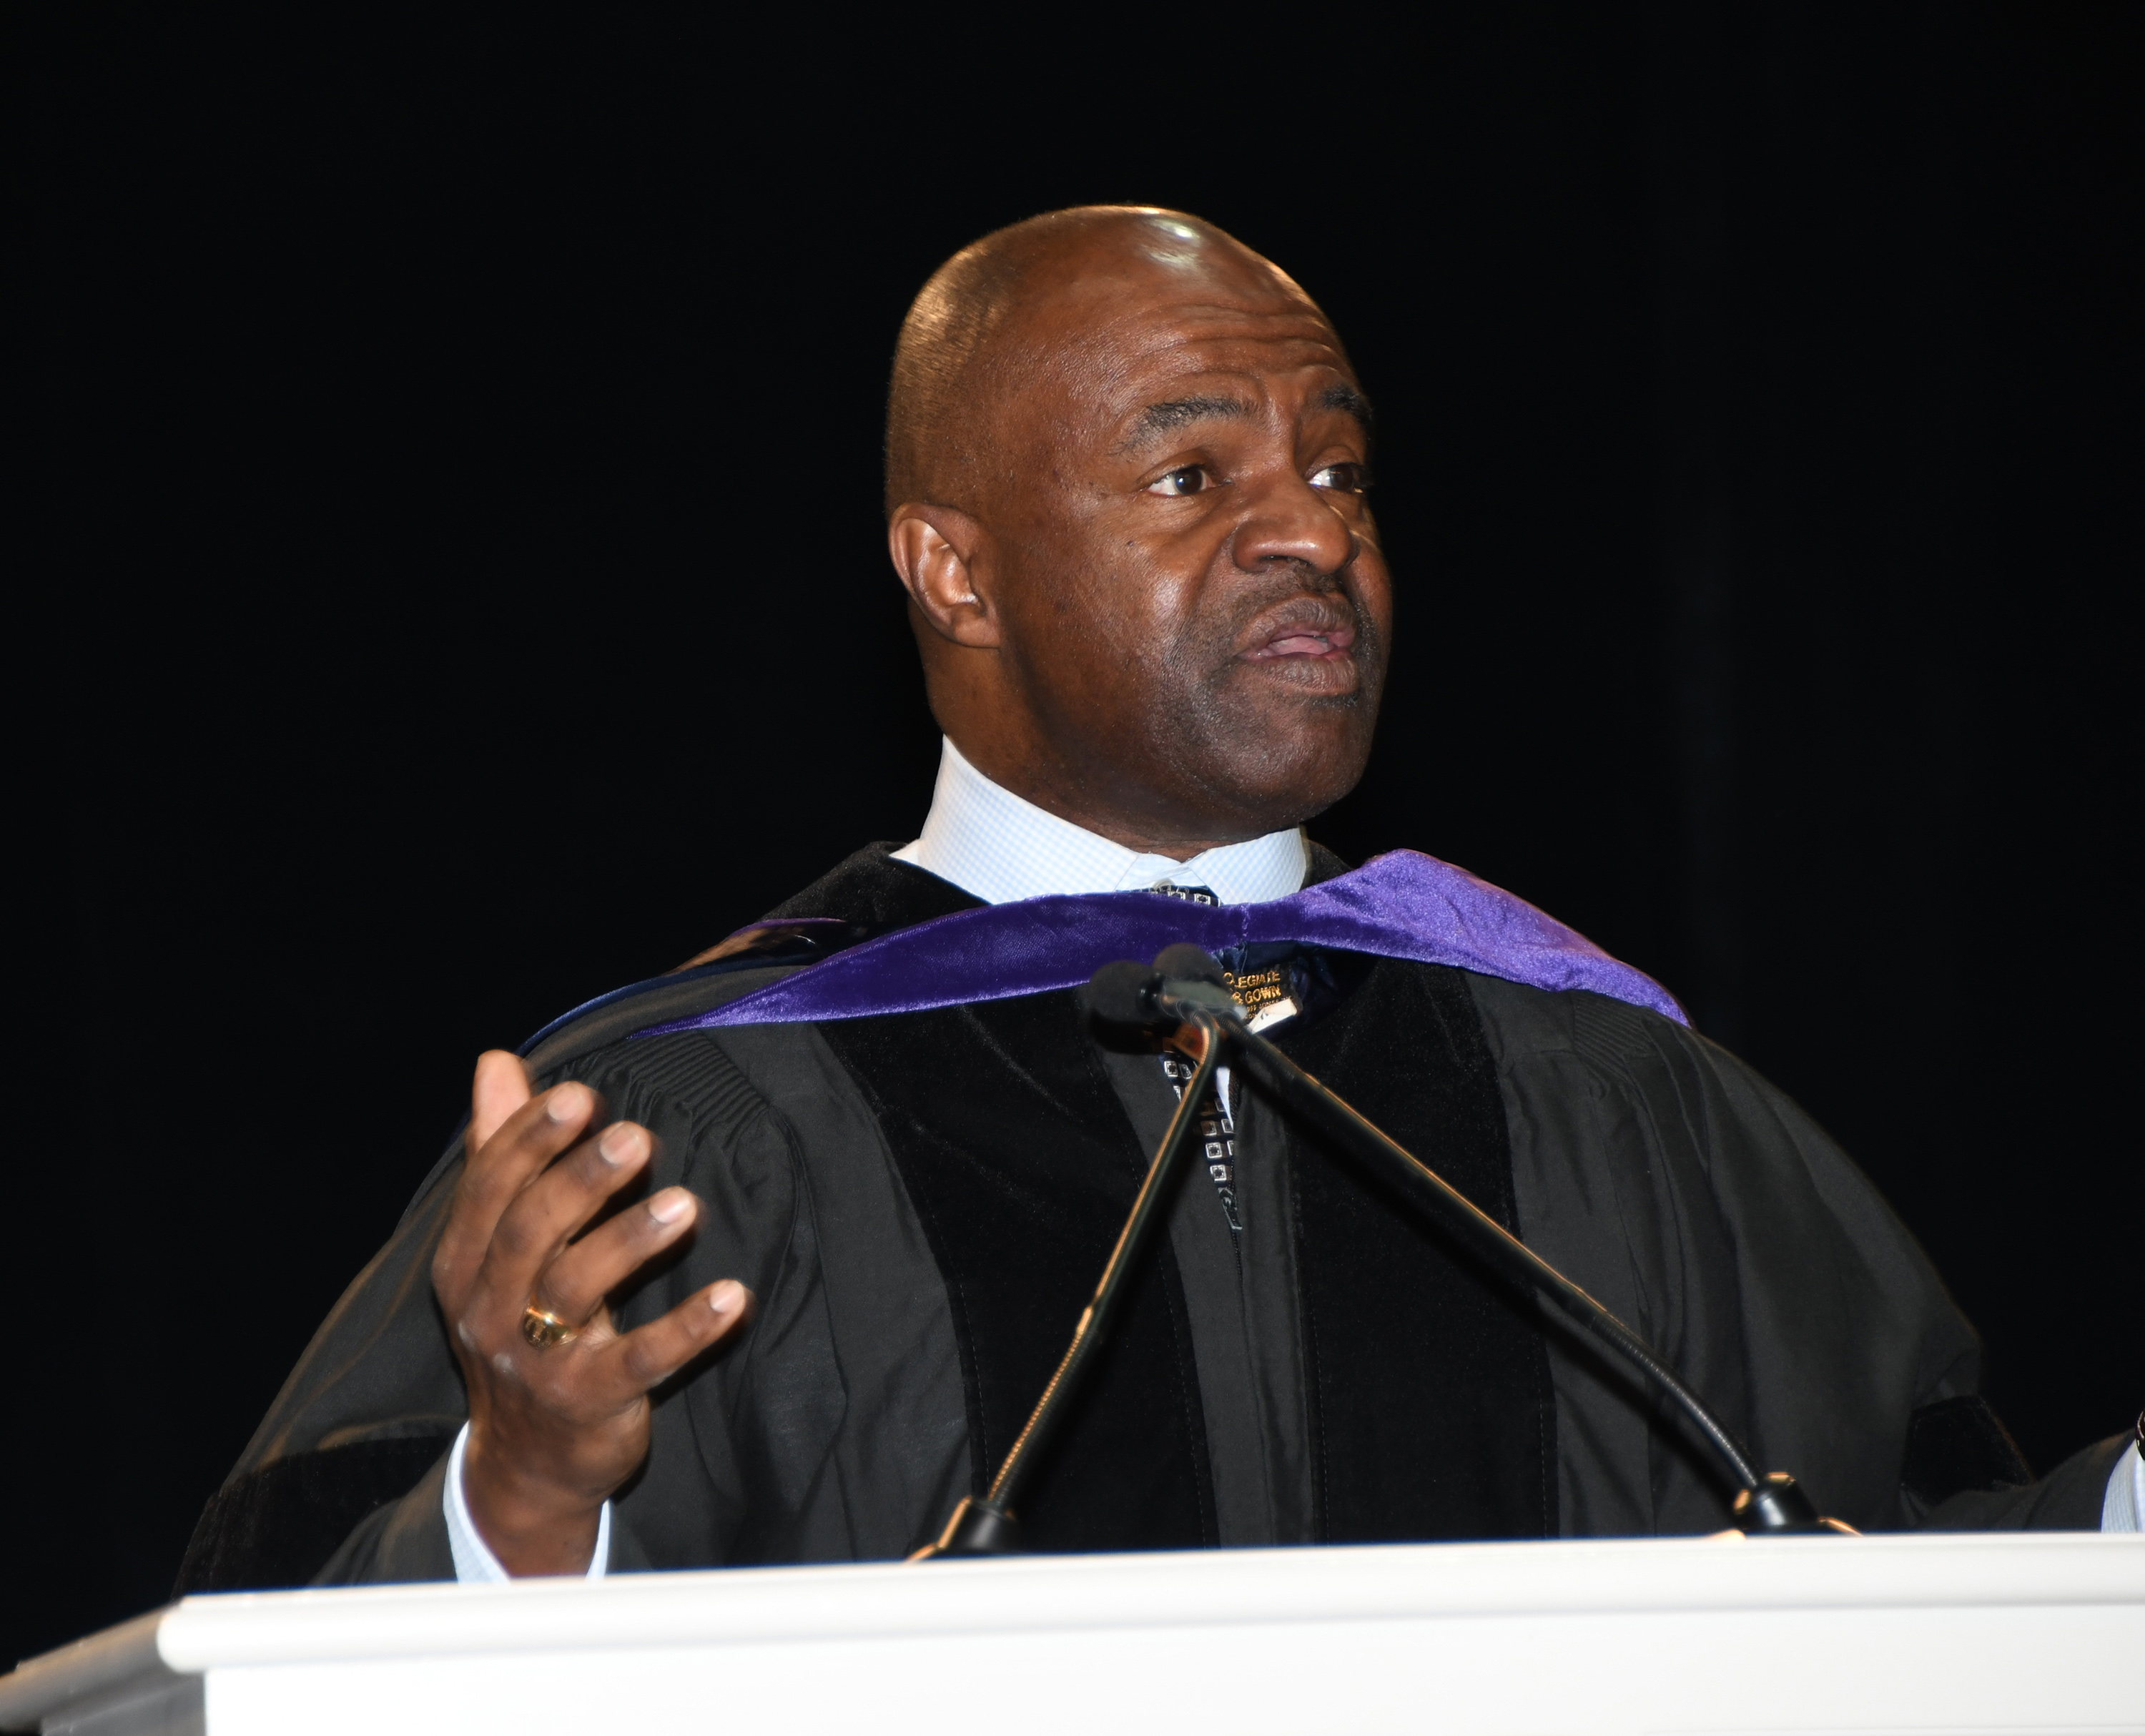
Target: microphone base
(976, 1528)
(1778, 1508)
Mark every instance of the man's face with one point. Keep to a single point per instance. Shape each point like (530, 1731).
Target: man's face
(1193, 611)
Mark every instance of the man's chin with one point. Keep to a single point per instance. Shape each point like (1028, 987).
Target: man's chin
(1282, 766)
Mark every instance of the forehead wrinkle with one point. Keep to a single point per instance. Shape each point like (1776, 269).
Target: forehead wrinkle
(1100, 316)
(1179, 328)
(1156, 419)
(1177, 357)
(1134, 355)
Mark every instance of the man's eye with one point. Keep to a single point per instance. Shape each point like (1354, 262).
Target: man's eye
(1189, 480)
(1344, 478)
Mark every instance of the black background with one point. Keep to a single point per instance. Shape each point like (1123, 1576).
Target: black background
(457, 586)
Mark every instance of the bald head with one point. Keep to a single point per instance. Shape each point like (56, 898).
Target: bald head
(1126, 460)
(970, 336)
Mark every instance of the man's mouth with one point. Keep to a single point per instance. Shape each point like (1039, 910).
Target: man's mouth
(1296, 639)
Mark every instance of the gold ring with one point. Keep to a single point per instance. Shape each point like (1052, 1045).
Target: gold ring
(544, 1329)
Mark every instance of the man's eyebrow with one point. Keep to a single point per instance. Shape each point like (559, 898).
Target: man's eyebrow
(1157, 420)
(1344, 397)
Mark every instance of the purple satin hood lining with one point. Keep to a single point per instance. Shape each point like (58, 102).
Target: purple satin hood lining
(1403, 905)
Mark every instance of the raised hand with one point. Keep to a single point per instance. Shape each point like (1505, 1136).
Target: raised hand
(555, 1427)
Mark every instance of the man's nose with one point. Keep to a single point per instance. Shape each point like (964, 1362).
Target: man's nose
(1290, 520)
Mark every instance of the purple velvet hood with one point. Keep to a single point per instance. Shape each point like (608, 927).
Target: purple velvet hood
(1403, 905)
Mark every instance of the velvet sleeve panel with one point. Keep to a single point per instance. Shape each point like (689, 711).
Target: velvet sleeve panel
(1709, 1212)
(2068, 1498)
(372, 1407)
(398, 1544)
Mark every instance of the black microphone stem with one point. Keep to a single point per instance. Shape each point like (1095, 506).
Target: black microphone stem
(986, 1527)
(1304, 1094)
(1770, 1501)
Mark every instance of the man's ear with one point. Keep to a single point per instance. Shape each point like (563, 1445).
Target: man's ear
(936, 550)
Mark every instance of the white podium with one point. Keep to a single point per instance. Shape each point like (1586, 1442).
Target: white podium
(1982, 1633)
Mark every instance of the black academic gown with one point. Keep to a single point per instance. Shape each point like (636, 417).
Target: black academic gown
(922, 1202)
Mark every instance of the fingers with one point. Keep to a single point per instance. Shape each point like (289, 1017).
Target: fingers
(648, 1356)
(500, 1088)
(496, 1171)
(575, 1283)
(537, 1223)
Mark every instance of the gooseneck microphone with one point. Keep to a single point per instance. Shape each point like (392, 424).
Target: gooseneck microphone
(1184, 992)
(1185, 987)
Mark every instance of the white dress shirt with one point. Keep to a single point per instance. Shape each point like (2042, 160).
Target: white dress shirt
(990, 842)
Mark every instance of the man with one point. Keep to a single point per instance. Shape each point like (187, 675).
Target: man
(767, 1260)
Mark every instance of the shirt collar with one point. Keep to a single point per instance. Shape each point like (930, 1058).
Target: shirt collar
(989, 842)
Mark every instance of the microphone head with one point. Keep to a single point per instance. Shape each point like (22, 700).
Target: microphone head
(1122, 993)
(1185, 962)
